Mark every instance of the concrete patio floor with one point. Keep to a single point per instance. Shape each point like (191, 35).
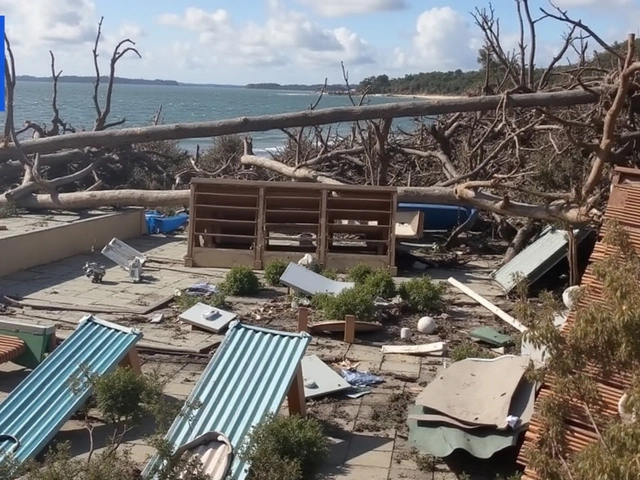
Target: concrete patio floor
(357, 453)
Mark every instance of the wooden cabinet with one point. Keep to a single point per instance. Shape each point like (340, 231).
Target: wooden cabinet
(253, 223)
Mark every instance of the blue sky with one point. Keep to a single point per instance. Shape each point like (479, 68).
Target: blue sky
(285, 41)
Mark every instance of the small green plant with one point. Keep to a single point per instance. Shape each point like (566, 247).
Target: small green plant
(380, 283)
(240, 281)
(359, 273)
(356, 301)
(285, 448)
(9, 210)
(423, 295)
(273, 271)
(468, 350)
(184, 302)
(330, 273)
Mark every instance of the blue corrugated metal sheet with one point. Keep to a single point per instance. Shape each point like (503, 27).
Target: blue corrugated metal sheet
(537, 259)
(247, 378)
(37, 408)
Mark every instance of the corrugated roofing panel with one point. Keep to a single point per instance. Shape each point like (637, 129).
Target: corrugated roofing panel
(247, 378)
(623, 206)
(37, 408)
(537, 259)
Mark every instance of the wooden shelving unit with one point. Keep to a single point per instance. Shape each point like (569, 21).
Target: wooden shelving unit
(253, 223)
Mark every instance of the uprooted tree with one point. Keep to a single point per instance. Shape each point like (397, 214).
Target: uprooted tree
(533, 144)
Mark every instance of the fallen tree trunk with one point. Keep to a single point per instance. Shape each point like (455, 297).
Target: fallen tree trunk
(309, 118)
(106, 198)
(173, 198)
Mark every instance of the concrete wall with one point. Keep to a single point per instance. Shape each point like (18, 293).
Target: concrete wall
(48, 245)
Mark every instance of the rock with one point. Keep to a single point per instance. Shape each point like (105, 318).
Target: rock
(427, 325)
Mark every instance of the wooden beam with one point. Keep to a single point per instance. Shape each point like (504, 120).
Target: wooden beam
(132, 360)
(488, 305)
(349, 329)
(295, 397)
(303, 319)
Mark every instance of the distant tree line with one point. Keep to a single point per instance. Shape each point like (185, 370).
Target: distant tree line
(460, 82)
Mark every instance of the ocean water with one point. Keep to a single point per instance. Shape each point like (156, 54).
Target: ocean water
(138, 104)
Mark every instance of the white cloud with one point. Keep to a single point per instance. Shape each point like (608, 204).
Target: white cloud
(443, 40)
(592, 3)
(43, 23)
(339, 8)
(286, 37)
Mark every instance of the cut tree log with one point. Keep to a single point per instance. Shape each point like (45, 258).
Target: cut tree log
(308, 118)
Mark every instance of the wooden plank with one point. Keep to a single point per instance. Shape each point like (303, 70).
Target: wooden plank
(415, 349)
(303, 319)
(349, 329)
(488, 305)
(295, 397)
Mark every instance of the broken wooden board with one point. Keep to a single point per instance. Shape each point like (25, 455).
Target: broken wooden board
(320, 379)
(488, 305)
(409, 224)
(491, 336)
(195, 317)
(338, 326)
(425, 349)
(70, 307)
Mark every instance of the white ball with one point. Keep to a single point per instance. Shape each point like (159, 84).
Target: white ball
(427, 325)
(567, 296)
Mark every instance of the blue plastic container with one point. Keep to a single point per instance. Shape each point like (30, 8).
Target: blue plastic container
(439, 217)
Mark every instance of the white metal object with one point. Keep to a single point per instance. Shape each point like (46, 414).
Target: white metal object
(130, 259)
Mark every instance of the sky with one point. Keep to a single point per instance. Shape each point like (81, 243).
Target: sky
(283, 41)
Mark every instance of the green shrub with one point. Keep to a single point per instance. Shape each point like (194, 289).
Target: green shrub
(356, 301)
(184, 302)
(240, 281)
(359, 273)
(423, 295)
(273, 271)
(285, 448)
(330, 273)
(380, 283)
(468, 350)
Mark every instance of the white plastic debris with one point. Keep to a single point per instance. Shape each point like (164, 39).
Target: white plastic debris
(157, 318)
(405, 334)
(308, 261)
(211, 315)
(513, 421)
(427, 325)
(568, 296)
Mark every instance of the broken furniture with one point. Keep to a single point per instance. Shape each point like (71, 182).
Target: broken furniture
(537, 258)
(247, 379)
(439, 217)
(252, 223)
(207, 317)
(478, 405)
(128, 258)
(310, 283)
(36, 409)
(36, 341)
(409, 224)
